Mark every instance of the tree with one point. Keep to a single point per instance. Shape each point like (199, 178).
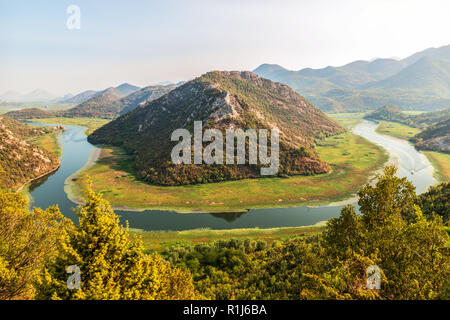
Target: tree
(436, 200)
(27, 240)
(394, 234)
(112, 266)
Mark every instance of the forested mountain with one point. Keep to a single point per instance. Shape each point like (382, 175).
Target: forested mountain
(220, 100)
(20, 160)
(421, 81)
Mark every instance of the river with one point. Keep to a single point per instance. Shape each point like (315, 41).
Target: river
(76, 150)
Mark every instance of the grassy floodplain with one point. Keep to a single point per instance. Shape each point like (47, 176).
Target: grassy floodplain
(440, 161)
(90, 124)
(353, 160)
(159, 240)
(441, 164)
(397, 130)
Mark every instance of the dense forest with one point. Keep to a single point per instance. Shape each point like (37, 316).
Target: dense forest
(401, 234)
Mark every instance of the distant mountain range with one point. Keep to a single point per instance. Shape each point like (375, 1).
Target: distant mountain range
(109, 103)
(113, 102)
(420, 81)
(120, 91)
(220, 100)
(37, 95)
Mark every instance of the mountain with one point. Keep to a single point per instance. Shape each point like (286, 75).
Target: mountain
(21, 160)
(221, 100)
(81, 97)
(30, 113)
(442, 53)
(37, 95)
(421, 121)
(435, 137)
(146, 94)
(420, 81)
(126, 89)
(10, 96)
(100, 106)
(109, 103)
(121, 91)
(429, 75)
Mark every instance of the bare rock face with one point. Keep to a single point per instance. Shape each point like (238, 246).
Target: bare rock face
(220, 100)
(22, 161)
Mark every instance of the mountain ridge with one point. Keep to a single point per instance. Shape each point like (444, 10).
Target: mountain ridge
(220, 99)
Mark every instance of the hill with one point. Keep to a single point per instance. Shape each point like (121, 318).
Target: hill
(81, 97)
(435, 137)
(30, 113)
(21, 160)
(393, 113)
(121, 91)
(146, 94)
(109, 104)
(420, 81)
(429, 75)
(126, 89)
(220, 100)
(100, 106)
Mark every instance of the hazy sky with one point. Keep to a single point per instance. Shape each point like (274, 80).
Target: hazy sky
(143, 42)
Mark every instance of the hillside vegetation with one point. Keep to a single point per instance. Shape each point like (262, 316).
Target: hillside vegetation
(21, 160)
(220, 100)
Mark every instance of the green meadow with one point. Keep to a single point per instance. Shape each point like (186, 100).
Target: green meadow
(397, 130)
(91, 124)
(353, 160)
(159, 240)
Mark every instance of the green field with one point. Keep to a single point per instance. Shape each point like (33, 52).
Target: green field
(159, 240)
(348, 119)
(441, 164)
(397, 130)
(91, 124)
(352, 158)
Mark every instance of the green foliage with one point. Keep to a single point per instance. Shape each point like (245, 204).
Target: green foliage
(391, 232)
(112, 265)
(422, 120)
(436, 201)
(221, 100)
(27, 241)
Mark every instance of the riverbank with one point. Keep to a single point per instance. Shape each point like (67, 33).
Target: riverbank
(90, 124)
(353, 159)
(159, 240)
(439, 160)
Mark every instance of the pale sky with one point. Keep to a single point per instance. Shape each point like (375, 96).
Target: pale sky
(144, 42)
